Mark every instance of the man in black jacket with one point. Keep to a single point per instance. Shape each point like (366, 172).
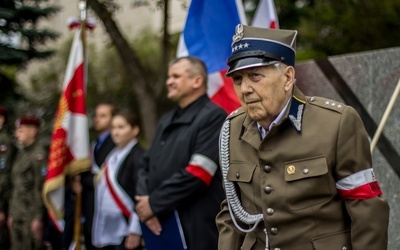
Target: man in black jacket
(180, 170)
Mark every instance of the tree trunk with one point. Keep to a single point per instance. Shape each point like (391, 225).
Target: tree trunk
(135, 71)
(165, 50)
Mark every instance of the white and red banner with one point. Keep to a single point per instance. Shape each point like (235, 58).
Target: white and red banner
(265, 16)
(69, 148)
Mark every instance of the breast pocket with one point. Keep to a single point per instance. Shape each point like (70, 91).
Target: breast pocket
(307, 182)
(242, 175)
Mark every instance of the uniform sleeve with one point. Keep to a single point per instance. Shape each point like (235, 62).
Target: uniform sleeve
(229, 237)
(358, 187)
(39, 168)
(200, 169)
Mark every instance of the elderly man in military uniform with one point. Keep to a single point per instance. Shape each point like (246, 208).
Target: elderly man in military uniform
(297, 169)
(26, 209)
(6, 151)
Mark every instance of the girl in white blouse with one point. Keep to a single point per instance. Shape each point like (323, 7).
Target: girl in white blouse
(115, 224)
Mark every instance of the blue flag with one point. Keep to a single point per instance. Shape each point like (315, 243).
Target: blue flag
(207, 35)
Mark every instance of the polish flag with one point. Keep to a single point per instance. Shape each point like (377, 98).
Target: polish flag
(265, 16)
(69, 148)
(207, 35)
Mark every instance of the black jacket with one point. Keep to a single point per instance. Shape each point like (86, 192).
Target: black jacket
(164, 178)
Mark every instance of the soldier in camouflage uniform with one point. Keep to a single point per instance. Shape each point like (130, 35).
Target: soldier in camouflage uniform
(26, 208)
(6, 151)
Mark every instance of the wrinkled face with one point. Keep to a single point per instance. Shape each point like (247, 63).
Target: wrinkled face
(102, 118)
(25, 134)
(122, 132)
(180, 83)
(263, 91)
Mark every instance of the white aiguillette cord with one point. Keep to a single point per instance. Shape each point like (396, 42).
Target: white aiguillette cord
(235, 207)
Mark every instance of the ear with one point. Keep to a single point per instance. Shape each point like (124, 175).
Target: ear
(289, 74)
(136, 130)
(198, 81)
(33, 131)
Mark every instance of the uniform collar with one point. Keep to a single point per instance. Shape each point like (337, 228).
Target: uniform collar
(296, 111)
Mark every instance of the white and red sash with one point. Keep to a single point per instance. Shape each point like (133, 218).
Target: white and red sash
(112, 204)
(120, 197)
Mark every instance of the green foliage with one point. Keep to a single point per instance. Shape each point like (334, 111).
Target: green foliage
(19, 20)
(21, 39)
(333, 27)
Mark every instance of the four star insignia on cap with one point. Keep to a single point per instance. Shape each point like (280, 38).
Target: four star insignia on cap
(240, 46)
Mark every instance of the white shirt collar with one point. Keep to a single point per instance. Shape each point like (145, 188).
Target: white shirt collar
(263, 131)
(119, 154)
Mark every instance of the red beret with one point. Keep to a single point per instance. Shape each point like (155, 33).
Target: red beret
(28, 120)
(3, 111)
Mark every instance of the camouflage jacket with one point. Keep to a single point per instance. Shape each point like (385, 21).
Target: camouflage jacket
(27, 177)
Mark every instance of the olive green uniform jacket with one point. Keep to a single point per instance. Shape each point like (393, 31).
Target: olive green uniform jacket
(27, 175)
(294, 177)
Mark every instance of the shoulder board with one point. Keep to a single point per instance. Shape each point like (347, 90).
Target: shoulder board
(235, 113)
(326, 103)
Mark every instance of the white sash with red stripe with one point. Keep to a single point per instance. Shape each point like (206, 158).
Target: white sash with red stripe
(113, 204)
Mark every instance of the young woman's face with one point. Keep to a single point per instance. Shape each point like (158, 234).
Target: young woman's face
(122, 132)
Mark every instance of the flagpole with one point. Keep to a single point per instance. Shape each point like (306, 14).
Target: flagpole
(78, 196)
(385, 116)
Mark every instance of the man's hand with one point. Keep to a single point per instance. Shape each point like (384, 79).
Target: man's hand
(154, 225)
(143, 208)
(37, 229)
(132, 241)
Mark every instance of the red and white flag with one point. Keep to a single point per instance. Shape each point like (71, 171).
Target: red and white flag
(265, 16)
(69, 148)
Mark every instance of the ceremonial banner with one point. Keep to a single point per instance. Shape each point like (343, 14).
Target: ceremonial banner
(69, 148)
(265, 16)
(207, 35)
